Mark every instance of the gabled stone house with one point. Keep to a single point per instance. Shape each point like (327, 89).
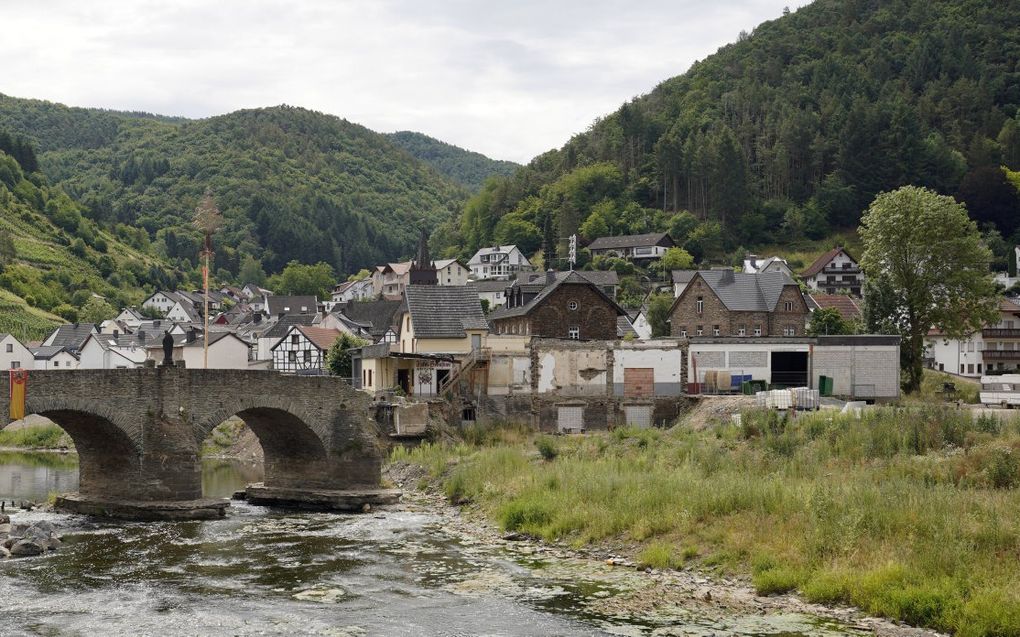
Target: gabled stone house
(564, 305)
(727, 303)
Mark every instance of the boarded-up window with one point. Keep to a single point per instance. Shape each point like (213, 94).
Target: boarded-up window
(570, 418)
(638, 415)
(638, 382)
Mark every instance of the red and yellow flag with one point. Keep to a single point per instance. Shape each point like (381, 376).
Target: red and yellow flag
(19, 383)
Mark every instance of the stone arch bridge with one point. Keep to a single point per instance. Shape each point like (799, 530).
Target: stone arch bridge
(139, 435)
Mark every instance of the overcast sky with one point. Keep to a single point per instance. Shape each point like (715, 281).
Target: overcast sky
(509, 79)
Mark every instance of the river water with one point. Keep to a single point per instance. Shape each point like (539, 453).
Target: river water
(268, 572)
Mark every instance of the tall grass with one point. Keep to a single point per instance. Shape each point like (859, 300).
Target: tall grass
(911, 514)
(35, 437)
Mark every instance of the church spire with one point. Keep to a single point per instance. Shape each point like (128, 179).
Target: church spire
(423, 272)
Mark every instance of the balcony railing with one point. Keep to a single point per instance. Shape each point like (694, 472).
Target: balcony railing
(1001, 354)
(1000, 332)
(841, 271)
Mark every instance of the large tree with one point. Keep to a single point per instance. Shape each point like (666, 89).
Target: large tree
(928, 254)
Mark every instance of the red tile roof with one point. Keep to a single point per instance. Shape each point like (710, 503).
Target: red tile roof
(321, 337)
(845, 305)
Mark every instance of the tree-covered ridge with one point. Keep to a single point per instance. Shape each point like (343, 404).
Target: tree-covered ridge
(293, 184)
(57, 264)
(789, 132)
(467, 168)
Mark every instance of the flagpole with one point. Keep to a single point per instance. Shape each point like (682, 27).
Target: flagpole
(205, 314)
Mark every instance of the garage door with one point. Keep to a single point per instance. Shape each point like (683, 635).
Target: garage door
(570, 419)
(638, 415)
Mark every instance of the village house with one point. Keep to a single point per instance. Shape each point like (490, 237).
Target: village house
(451, 272)
(493, 292)
(440, 331)
(336, 320)
(114, 351)
(680, 280)
(280, 305)
(302, 350)
(834, 271)
(608, 281)
(753, 264)
(498, 262)
(634, 247)
(727, 303)
(562, 305)
(14, 354)
(389, 281)
(70, 337)
(227, 350)
(54, 357)
(996, 348)
(161, 302)
(377, 316)
(270, 330)
(361, 290)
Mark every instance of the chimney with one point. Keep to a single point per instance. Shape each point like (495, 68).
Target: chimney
(155, 323)
(191, 335)
(75, 325)
(258, 318)
(550, 277)
(141, 336)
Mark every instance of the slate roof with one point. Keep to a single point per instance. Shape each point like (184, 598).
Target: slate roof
(444, 311)
(376, 314)
(741, 292)
(559, 278)
(597, 277)
(70, 336)
(845, 305)
(291, 305)
(823, 261)
(683, 276)
(439, 264)
(624, 326)
(285, 322)
(46, 352)
(503, 252)
(491, 285)
(630, 241)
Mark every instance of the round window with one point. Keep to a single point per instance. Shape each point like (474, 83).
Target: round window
(572, 305)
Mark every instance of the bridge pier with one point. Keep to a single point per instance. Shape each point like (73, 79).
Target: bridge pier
(139, 434)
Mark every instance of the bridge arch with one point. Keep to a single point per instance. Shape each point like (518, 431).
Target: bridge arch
(109, 450)
(295, 444)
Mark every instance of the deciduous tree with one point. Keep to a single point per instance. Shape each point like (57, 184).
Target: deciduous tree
(928, 255)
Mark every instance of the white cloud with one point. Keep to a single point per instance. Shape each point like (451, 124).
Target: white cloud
(508, 79)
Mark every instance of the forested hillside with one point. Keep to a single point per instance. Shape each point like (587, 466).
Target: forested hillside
(465, 167)
(786, 134)
(56, 264)
(293, 184)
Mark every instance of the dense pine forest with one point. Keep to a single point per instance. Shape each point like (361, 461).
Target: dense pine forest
(786, 134)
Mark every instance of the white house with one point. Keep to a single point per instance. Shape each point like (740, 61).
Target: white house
(641, 326)
(451, 272)
(498, 262)
(107, 351)
(54, 357)
(995, 348)
(226, 351)
(636, 247)
(183, 312)
(302, 350)
(14, 354)
(834, 271)
(161, 301)
(348, 291)
(492, 291)
(129, 317)
(753, 264)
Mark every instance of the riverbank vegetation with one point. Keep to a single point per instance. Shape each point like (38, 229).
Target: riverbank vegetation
(46, 436)
(911, 514)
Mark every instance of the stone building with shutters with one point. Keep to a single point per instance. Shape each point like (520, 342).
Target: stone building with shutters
(561, 305)
(723, 303)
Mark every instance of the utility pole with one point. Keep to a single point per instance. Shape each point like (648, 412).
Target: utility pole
(207, 219)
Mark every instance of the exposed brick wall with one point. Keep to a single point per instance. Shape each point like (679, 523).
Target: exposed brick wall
(139, 431)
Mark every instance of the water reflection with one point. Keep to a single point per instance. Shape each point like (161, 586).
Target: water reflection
(34, 475)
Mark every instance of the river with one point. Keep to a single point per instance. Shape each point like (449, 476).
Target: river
(267, 572)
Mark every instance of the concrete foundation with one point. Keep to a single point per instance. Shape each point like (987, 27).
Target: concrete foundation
(204, 509)
(350, 500)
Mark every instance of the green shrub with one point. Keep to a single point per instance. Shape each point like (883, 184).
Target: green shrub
(659, 555)
(525, 515)
(547, 448)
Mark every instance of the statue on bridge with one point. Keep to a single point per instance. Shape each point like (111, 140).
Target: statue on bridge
(168, 349)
